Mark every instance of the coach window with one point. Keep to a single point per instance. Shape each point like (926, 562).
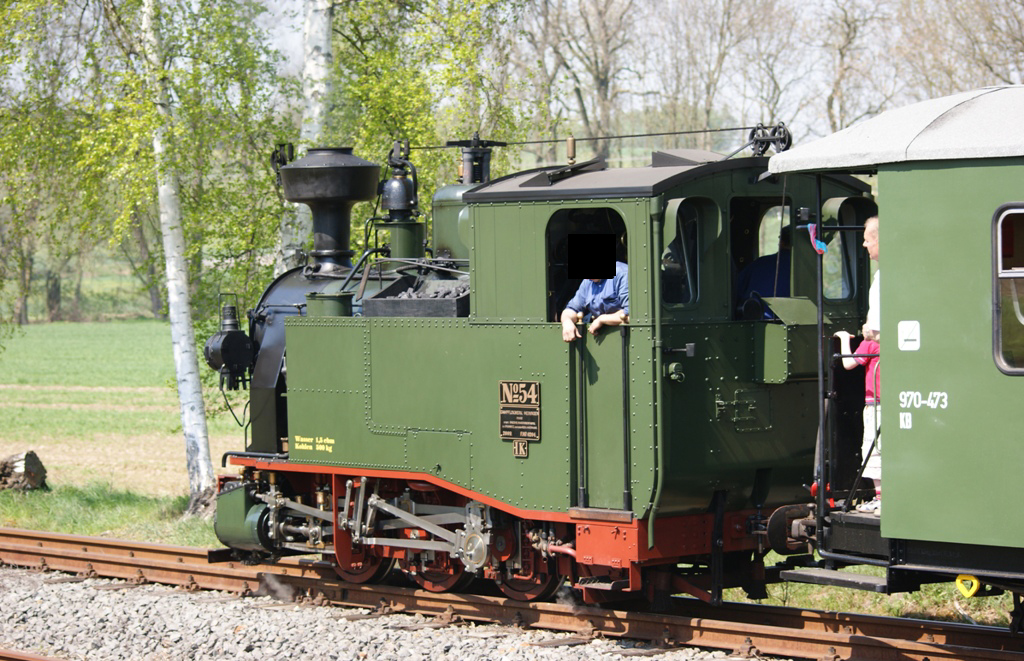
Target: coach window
(679, 258)
(775, 240)
(561, 266)
(1008, 295)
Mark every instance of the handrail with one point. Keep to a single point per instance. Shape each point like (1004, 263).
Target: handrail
(659, 401)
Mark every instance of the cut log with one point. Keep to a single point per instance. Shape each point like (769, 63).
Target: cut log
(22, 472)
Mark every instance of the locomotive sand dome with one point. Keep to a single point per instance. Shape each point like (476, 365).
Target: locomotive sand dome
(950, 177)
(464, 439)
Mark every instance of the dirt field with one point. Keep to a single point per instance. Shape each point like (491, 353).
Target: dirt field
(149, 461)
(152, 465)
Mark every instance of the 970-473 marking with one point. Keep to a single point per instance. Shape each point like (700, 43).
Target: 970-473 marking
(915, 399)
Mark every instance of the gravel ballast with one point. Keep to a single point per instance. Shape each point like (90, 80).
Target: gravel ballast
(100, 619)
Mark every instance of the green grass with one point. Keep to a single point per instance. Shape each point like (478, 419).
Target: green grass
(110, 359)
(98, 509)
(97, 402)
(125, 354)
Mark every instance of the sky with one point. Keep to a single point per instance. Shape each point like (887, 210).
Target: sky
(283, 21)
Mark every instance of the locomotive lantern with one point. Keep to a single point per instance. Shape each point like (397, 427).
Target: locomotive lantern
(400, 198)
(229, 350)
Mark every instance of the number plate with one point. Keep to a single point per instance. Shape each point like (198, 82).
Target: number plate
(519, 411)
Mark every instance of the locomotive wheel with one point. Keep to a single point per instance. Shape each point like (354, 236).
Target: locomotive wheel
(372, 570)
(447, 575)
(534, 588)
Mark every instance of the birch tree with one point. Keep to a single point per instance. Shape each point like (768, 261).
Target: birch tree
(297, 223)
(186, 360)
(183, 130)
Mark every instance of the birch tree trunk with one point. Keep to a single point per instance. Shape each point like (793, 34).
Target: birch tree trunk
(186, 363)
(297, 226)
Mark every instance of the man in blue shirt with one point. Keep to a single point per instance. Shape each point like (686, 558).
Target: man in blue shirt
(768, 275)
(605, 302)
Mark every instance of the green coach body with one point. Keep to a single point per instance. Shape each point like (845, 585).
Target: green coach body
(950, 193)
(949, 412)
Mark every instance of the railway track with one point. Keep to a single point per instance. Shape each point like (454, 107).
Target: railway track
(740, 628)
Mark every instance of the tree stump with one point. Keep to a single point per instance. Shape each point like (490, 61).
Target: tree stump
(22, 472)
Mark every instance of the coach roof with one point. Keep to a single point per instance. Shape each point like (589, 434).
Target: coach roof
(982, 123)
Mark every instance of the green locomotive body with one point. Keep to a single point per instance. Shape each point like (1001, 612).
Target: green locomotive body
(425, 394)
(680, 432)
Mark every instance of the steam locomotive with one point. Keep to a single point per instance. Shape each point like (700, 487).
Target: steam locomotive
(419, 409)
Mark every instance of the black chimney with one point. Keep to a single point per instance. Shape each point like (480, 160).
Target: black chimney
(330, 181)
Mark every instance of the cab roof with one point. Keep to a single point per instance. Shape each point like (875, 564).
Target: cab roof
(594, 179)
(982, 123)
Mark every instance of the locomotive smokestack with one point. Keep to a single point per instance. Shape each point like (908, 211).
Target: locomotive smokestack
(330, 181)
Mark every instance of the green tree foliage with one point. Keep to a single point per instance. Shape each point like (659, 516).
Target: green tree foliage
(116, 105)
(228, 108)
(426, 71)
(42, 213)
(76, 117)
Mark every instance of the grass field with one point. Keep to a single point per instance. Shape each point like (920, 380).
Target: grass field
(95, 401)
(103, 391)
(108, 289)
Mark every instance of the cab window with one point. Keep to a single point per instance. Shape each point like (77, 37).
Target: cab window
(679, 257)
(762, 248)
(1008, 298)
(775, 241)
(840, 260)
(562, 224)
(837, 277)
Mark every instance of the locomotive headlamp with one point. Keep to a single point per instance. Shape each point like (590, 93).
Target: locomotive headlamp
(229, 350)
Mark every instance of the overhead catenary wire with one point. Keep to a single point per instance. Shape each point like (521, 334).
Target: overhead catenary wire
(607, 137)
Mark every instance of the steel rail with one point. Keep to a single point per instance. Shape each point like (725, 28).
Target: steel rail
(11, 655)
(744, 628)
